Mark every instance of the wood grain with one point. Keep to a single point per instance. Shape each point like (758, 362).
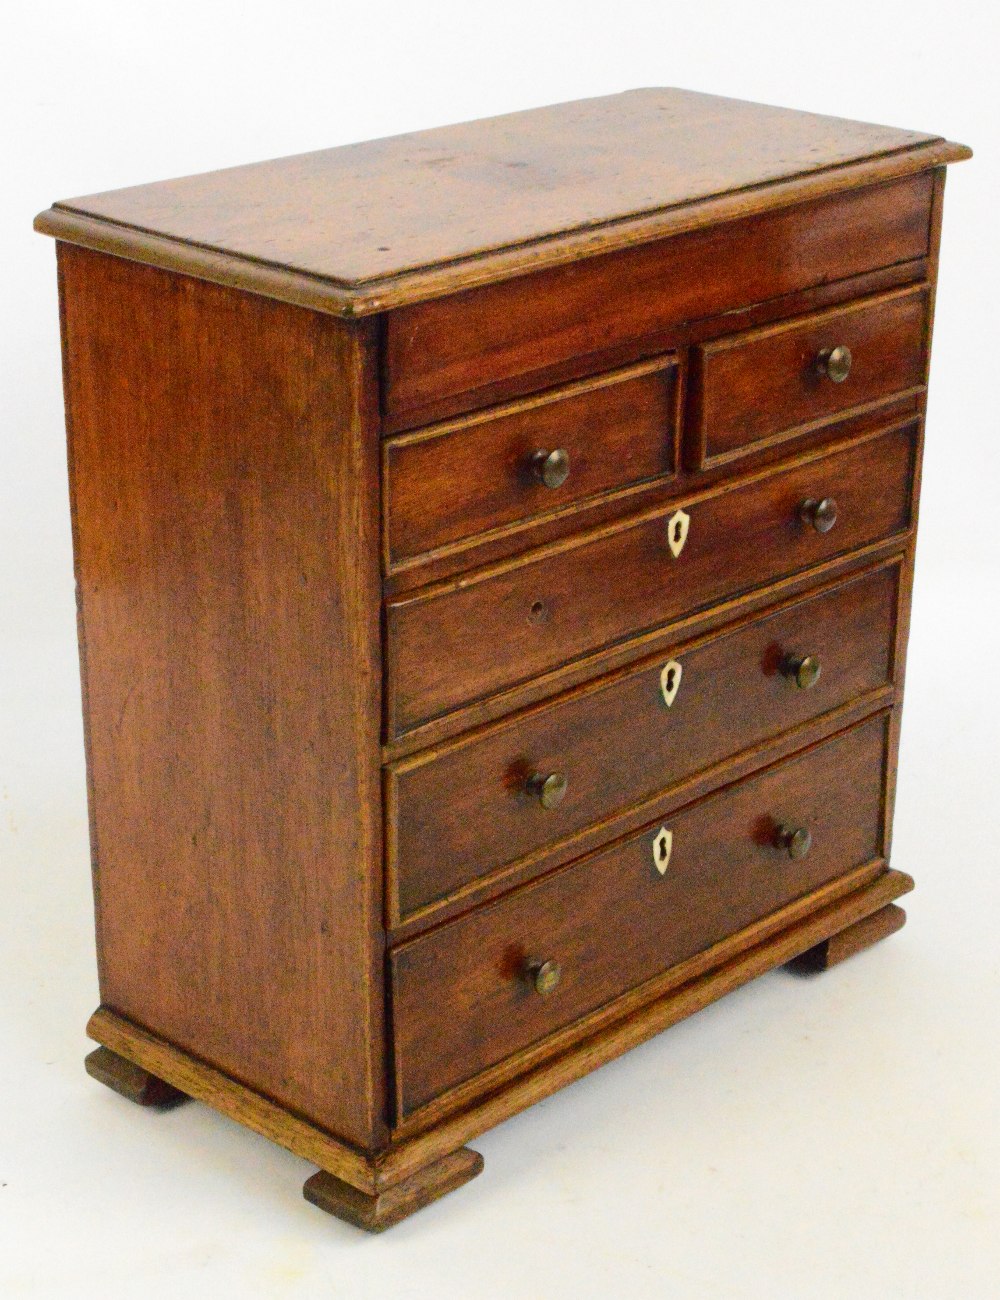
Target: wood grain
(204, 1082)
(223, 463)
(759, 949)
(903, 623)
(368, 214)
(854, 939)
(453, 481)
(131, 1081)
(455, 353)
(764, 385)
(320, 597)
(459, 813)
(482, 549)
(641, 1021)
(462, 998)
(555, 604)
(375, 1213)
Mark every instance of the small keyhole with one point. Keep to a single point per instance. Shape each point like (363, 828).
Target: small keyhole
(661, 851)
(677, 530)
(671, 678)
(539, 612)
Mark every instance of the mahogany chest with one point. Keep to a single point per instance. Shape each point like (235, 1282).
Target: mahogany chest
(494, 549)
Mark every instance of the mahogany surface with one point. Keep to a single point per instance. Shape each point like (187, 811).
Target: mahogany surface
(463, 811)
(454, 353)
(372, 211)
(131, 1081)
(455, 480)
(765, 384)
(851, 940)
(338, 639)
(381, 1210)
(461, 999)
(230, 671)
(550, 606)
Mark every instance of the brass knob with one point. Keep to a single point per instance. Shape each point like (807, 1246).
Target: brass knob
(835, 363)
(544, 976)
(803, 670)
(820, 514)
(549, 789)
(795, 840)
(551, 468)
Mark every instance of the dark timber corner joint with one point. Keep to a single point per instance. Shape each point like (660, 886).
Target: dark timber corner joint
(131, 1081)
(857, 937)
(377, 1212)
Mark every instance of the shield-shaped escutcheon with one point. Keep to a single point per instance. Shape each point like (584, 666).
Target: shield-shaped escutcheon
(663, 843)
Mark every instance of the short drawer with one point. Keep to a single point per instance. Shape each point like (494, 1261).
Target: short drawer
(474, 807)
(772, 384)
(465, 995)
(530, 459)
(473, 637)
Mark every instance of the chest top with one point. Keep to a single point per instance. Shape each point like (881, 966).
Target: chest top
(368, 226)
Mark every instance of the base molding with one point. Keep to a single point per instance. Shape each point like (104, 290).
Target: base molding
(427, 1163)
(856, 938)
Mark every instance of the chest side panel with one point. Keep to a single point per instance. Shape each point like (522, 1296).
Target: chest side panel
(223, 464)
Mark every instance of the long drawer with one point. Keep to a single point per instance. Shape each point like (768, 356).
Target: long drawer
(473, 637)
(469, 809)
(469, 349)
(478, 989)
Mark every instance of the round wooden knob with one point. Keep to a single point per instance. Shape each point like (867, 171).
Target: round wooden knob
(820, 513)
(544, 976)
(548, 788)
(835, 363)
(803, 670)
(795, 840)
(551, 468)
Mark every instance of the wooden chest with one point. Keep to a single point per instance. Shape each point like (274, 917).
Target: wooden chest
(494, 550)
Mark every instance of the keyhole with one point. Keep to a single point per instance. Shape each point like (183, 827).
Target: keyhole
(670, 681)
(677, 531)
(662, 845)
(539, 612)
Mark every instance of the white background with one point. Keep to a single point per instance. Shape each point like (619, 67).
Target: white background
(836, 1137)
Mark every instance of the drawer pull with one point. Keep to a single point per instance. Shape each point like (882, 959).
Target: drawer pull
(677, 531)
(803, 670)
(549, 789)
(544, 976)
(551, 468)
(662, 847)
(795, 840)
(835, 363)
(819, 513)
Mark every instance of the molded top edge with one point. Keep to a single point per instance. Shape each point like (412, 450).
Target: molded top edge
(364, 227)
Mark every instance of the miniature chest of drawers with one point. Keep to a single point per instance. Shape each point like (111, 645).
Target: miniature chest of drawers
(494, 550)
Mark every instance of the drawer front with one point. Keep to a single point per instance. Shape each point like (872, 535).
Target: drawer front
(469, 349)
(477, 636)
(770, 384)
(464, 997)
(471, 809)
(531, 459)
